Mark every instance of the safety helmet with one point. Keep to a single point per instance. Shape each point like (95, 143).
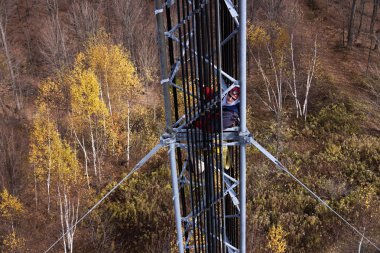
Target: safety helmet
(235, 91)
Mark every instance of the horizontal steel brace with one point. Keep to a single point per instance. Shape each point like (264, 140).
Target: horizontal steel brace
(195, 53)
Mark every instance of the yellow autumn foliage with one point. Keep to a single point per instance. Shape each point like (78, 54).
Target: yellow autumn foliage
(364, 196)
(145, 134)
(41, 136)
(13, 243)
(114, 69)
(282, 38)
(89, 112)
(10, 206)
(51, 94)
(271, 34)
(85, 94)
(276, 239)
(48, 153)
(257, 35)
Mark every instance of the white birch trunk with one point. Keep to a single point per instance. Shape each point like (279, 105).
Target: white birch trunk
(94, 155)
(267, 86)
(69, 215)
(108, 96)
(83, 147)
(293, 88)
(302, 110)
(62, 220)
(310, 78)
(274, 89)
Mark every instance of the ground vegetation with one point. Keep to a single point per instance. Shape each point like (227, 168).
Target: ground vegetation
(81, 104)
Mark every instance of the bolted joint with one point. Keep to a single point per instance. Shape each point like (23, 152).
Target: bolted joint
(245, 137)
(158, 11)
(168, 138)
(165, 81)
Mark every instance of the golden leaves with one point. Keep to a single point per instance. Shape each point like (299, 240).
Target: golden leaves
(115, 71)
(85, 95)
(13, 243)
(10, 206)
(91, 100)
(49, 155)
(276, 239)
(257, 35)
(270, 35)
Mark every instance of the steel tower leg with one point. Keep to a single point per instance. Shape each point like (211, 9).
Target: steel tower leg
(169, 136)
(163, 61)
(177, 208)
(243, 120)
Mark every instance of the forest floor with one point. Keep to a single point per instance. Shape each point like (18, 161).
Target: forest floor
(345, 69)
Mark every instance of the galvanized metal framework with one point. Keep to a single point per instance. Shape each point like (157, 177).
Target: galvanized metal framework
(203, 56)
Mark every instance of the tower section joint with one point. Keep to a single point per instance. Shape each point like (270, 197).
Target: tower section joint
(168, 138)
(245, 137)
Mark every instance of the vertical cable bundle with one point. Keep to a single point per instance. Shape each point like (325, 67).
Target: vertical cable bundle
(230, 65)
(202, 50)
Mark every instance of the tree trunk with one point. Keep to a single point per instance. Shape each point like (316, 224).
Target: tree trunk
(343, 34)
(351, 25)
(310, 75)
(362, 5)
(108, 16)
(128, 134)
(69, 218)
(374, 15)
(108, 96)
(10, 65)
(85, 158)
(48, 180)
(94, 155)
(293, 86)
(373, 20)
(62, 220)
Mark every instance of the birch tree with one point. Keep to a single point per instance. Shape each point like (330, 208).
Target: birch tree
(10, 209)
(89, 114)
(55, 163)
(127, 12)
(53, 38)
(119, 85)
(114, 69)
(280, 68)
(69, 214)
(52, 159)
(43, 134)
(84, 19)
(272, 72)
(7, 51)
(295, 87)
